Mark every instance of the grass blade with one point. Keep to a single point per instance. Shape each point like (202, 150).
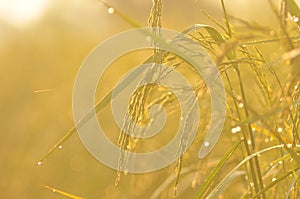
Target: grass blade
(215, 191)
(62, 192)
(292, 183)
(127, 19)
(226, 183)
(294, 10)
(273, 183)
(217, 169)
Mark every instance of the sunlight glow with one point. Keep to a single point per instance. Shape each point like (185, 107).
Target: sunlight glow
(21, 12)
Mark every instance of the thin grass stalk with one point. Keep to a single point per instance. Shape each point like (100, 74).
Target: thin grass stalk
(255, 174)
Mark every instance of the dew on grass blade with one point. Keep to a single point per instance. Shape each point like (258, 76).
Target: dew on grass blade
(111, 10)
(233, 130)
(239, 98)
(281, 99)
(295, 19)
(251, 184)
(279, 130)
(39, 163)
(206, 143)
(236, 129)
(118, 178)
(267, 140)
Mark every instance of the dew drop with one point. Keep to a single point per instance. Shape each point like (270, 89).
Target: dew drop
(53, 190)
(118, 178)
(289, 146)
(60, 146)
(233, 130)
(39, 163)
(279, 130)
(296, 87)
(236, 129)
(267, 140)
(206, 143)
(249, 142)
(251, 184)
(111, 10)
(244, 46)
(273, 179)
(281, 99)
(241, 105)
(295, 19)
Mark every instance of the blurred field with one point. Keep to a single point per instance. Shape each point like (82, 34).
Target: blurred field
(39, 60)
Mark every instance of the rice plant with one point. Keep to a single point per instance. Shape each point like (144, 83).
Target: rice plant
(257, 155)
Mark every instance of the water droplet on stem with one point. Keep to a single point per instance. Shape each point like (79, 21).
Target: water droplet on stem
(111, 10)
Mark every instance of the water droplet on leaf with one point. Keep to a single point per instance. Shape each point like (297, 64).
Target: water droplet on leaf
(295, 19)
(111, 10)
(206, 143)
(279, 130)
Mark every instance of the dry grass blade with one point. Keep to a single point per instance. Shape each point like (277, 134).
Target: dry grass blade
(68, 195)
